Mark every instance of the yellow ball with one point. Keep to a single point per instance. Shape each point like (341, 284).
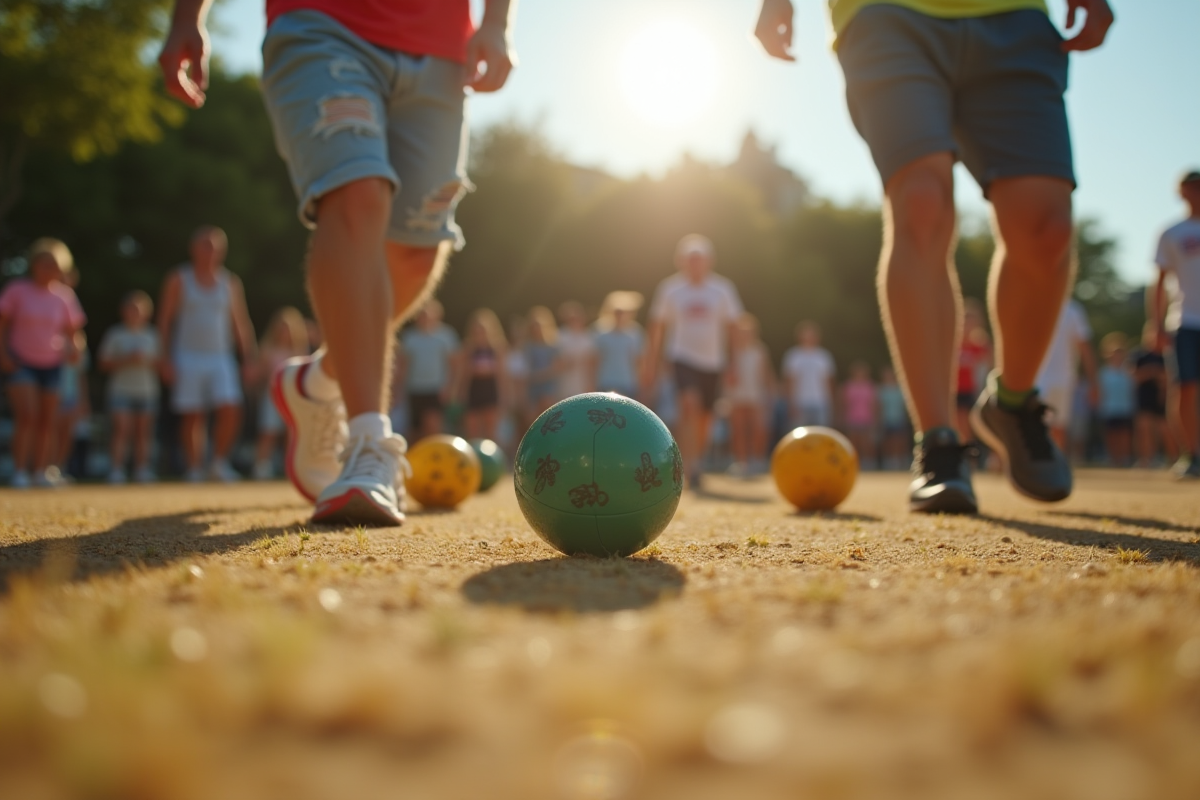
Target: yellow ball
(445, 471)
(814, 468)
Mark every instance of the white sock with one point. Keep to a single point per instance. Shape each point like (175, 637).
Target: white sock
(373, 426)
(319, 386)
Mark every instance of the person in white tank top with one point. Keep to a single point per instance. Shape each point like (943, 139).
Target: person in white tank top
(749, 385)
(202, 317)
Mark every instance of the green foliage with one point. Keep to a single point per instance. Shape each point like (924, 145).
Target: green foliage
(540, 230)
(74, 76)
(128, 217)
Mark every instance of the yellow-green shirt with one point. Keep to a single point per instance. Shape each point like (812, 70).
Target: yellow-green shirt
(842, 11)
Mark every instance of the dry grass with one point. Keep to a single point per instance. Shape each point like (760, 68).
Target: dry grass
(184, 642)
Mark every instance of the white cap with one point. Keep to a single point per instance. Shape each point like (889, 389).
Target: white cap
(694, 244)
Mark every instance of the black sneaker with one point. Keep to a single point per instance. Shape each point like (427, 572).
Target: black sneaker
(1035, 466)
(941, 481)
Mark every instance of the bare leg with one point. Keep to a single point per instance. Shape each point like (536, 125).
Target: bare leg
(119, 446)
(22, 399)
(758, 432)
(1188, 423)
(739, 433)
(1031, 272)
(412, 275)
(227, 423)
(191, 436)
(43, 443)
(918, 288)
(64, 437)
(143, 430)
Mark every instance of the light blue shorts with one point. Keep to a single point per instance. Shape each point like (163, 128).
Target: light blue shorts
(344, 110)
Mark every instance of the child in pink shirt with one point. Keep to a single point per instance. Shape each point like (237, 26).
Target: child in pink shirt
(40, 320)
(859, 406)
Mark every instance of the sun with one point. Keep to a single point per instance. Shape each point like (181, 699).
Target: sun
(669, 73)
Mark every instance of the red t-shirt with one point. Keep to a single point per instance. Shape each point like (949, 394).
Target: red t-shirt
(970, 358)
(438, 28)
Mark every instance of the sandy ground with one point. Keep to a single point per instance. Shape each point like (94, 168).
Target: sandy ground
(204, 642)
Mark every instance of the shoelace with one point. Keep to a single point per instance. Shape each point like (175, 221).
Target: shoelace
(942, 462)
(380, 460)
(1031, 420)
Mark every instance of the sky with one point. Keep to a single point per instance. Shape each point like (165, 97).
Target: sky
(605, 98)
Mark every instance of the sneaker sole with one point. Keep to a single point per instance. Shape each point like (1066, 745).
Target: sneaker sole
(289, 423)
(355, 508)
(995, 444)
(947, 502)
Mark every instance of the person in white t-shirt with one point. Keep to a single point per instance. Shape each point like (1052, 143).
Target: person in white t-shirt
(1178, 261)
(576, 351)
(690, 321)
(1070, 346)
(809, 373)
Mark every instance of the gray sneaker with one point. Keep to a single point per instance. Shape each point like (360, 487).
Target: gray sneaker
(941, 481)
(1032, 461)
(1186, 468)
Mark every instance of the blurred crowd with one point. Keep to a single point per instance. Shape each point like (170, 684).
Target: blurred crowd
(491, 380)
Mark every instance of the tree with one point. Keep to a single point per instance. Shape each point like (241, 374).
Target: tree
(74, 80)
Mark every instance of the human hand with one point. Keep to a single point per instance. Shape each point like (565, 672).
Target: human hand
(774, 29)
(489, 58)
(1161, 340)
(166, 371)
(184, 61)
(1099, 18)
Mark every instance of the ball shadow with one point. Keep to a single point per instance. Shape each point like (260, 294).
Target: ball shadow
(581, 585)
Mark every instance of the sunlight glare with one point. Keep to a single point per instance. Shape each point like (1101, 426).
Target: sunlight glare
(669, 73)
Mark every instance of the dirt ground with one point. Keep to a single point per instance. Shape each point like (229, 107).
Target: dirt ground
(205, 642)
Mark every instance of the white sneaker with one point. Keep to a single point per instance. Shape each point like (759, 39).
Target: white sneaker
(50, 478)
(316, 431)
(369, 490)
(220, 472)
(263, 471)
(116, 476)
(20, 480)
(144, 475)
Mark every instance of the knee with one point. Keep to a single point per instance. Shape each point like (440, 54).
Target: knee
(361, 204)
(1044, 240)
(922, 209)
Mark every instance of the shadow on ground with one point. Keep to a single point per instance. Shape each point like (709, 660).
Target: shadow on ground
(575, 584)
(1136, 522)
(840, 516)
(153, 541)
(1156, 549)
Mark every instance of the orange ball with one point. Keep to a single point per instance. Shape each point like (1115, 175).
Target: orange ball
(445, 471)
(814, 468)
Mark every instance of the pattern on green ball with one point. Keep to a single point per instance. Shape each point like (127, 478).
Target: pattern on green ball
(590, 475)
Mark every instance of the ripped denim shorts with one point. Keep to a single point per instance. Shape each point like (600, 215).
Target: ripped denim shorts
(344, 110)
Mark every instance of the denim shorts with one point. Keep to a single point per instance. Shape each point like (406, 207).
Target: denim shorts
(48, 379)
(987, 89)
(1187, 355)
(345, 110)
(118, 404)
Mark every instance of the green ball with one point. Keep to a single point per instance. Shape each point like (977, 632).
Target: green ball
(492, 461)
(598, 474)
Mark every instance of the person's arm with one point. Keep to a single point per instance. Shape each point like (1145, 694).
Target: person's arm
(654, 340)
(774, 29)
(184, 57)
(490, 56)
(243, 328)
(1087, 357)
(168, 307)
(1156, 312)
(1098, 19)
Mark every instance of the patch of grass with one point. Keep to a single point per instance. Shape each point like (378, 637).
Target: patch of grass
(757, 540)
(1131, 556)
